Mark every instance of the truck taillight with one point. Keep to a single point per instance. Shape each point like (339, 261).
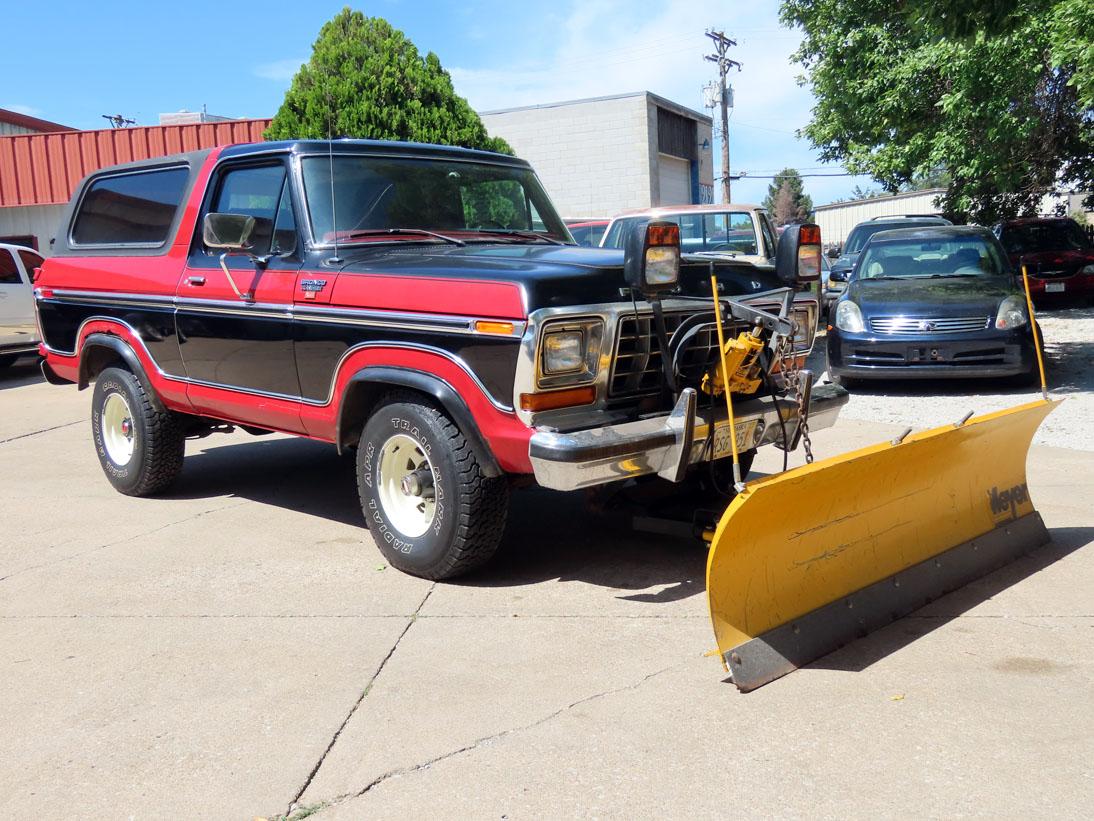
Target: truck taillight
(809, 253)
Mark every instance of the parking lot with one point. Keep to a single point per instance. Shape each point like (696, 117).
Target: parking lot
(238, 648)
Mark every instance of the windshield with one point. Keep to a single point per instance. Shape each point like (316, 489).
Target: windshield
(724, 231)
(1044, 236)
(862, 232)
(464, 200)
(946, 257)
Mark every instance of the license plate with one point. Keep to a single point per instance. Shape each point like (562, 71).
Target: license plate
(723, 446)
(1055, 287)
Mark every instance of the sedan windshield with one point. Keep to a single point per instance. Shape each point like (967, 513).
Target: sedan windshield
(1044, 236)
(395, 199)
(939, 257)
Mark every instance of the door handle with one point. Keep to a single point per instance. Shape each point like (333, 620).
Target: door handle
(196, 280)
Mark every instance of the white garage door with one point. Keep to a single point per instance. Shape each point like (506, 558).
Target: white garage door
(675, 176)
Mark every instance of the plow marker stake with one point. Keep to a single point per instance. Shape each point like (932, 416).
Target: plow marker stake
(806, 561)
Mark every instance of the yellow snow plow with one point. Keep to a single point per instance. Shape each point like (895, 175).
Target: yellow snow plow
(805, 561)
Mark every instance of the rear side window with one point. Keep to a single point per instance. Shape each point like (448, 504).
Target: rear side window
(130, 209)
(9, 272)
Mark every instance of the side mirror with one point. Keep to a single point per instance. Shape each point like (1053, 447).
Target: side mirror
(834, 252)
(228, 232)
(798, 257)
(651, 256)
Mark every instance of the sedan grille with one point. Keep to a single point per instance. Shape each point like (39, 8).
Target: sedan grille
(926, 326)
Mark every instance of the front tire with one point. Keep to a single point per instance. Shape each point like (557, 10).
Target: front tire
(430, 508)
(139, 444)
(7, 360)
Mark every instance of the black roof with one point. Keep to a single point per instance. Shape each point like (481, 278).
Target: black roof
(929, 232)
(389, 147)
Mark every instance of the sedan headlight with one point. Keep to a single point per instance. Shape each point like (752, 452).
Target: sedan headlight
(849, 318)
(1012, 314)
(570, 352)
(1088, 270)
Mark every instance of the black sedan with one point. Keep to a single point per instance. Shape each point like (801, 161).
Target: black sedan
(931, 302)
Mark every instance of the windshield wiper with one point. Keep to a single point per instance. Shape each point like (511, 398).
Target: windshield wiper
(371, 232)
(952, 276)
(512, 232)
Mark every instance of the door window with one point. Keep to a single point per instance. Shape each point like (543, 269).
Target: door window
(257, 191)
(30, 262)
(9, 271)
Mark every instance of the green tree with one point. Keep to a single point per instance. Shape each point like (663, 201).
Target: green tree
(997, 94)
(366, 79)
(786, 199)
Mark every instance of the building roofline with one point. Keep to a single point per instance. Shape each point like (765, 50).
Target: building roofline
(657, 98)
(34, 123)
(884, 198)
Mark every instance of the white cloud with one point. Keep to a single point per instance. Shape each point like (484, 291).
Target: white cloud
(280, 70)
(605, 47)
(27, 110)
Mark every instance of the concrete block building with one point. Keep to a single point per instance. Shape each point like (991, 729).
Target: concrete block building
(599, 156)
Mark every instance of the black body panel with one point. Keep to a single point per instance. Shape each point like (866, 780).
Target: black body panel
(154, 324)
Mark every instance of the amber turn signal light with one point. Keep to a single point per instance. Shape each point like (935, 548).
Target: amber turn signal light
(484, 326)
(557, 399)
(810, 235)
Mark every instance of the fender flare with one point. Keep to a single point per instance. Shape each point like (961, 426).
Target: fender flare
(124, 351)
(433, 386)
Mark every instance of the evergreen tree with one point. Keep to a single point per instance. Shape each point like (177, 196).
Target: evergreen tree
(366, 79)
(786, 199)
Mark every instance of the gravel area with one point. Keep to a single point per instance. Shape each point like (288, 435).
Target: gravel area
(1069, 340)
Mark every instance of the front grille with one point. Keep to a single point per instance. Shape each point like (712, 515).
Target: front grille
(636, 367)
(926, 326)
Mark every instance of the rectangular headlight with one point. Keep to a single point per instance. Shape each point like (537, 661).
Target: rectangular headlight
(563, 351)
(569, 352)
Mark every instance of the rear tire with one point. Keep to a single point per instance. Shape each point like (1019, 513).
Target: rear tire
(139, 444)
(430, 509)
(7, 360)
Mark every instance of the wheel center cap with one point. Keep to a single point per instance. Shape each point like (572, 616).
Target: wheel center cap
(418, 483)
(127, 428)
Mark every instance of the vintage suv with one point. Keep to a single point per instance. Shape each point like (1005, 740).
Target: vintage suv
(424, 305)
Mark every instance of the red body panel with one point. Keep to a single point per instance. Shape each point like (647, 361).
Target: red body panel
(501, 300)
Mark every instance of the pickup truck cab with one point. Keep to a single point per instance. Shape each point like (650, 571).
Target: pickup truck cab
(421, 306)
(738, 231)
(18, 334)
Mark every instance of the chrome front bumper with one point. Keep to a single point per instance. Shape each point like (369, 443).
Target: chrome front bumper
(667, 445)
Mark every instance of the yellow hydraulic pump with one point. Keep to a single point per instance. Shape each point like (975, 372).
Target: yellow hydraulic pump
(741, 360)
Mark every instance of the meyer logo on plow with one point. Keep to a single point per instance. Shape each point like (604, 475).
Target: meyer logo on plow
(1004, 504)
(796, 570)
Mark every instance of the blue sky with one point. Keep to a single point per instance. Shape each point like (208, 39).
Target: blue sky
(143, 58)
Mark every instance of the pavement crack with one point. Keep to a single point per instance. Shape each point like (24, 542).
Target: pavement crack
(43, 430)
(141, 535)
(360, 699)
(488, 739)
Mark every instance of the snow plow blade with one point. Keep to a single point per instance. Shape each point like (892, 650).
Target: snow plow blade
(808, 560)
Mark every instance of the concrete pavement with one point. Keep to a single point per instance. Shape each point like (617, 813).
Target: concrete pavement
(238, 648)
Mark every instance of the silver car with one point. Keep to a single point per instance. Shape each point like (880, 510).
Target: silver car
(18, 330)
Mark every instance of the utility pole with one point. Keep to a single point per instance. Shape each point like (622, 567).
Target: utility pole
(721, 57)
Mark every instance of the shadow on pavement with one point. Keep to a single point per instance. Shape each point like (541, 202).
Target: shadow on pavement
(550, 535)
(22, 372)
(860, 654)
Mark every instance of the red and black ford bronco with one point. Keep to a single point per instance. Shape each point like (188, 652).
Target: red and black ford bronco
(425, 306)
